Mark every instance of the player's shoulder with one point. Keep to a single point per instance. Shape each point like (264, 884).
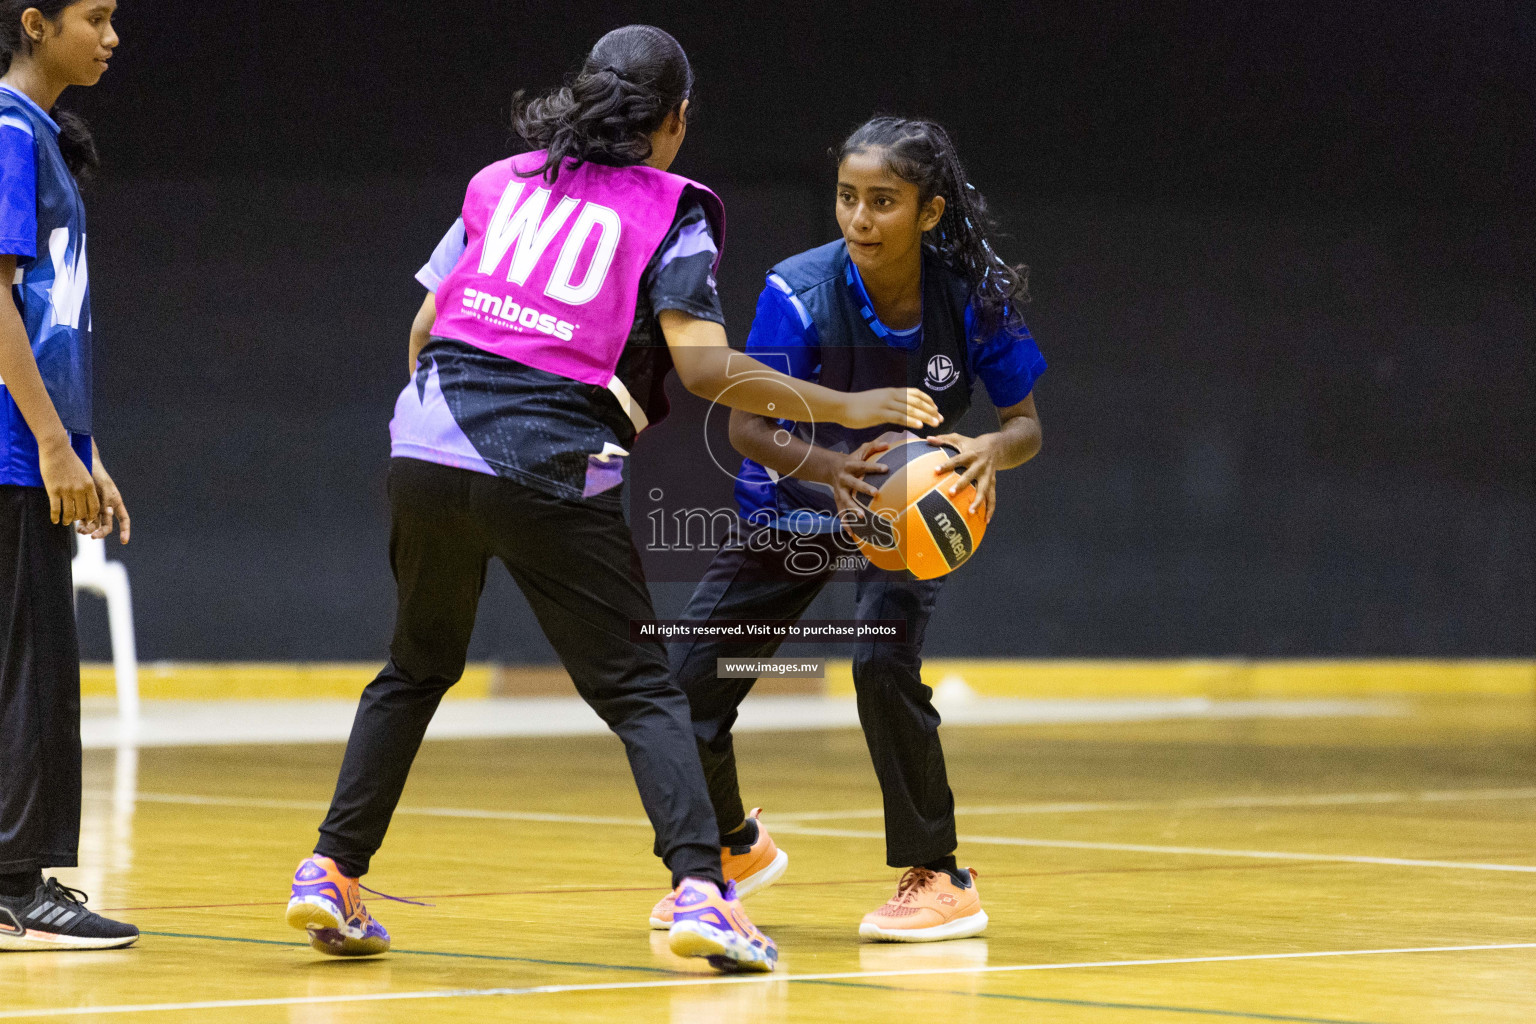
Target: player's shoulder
(813, 268)
(1007, 329)
(15, 117)
(698, 205)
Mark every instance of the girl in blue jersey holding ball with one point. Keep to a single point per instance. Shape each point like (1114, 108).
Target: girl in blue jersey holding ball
(913, 294)
(50, 471)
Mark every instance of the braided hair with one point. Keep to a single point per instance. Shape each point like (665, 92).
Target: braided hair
(75, 142)
(634, 77)
(920, 152)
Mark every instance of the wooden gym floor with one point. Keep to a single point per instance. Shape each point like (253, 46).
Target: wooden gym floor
(1377, 870)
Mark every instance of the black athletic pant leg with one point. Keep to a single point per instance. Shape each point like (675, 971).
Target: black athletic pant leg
(577, 566)
(744, 581)
(900, 723)
(39, 688)
(438, 554)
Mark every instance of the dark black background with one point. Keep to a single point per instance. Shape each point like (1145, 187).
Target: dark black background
(1281, 257)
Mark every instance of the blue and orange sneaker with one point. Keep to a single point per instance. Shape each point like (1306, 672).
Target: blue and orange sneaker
(709, 923)
(329, 906)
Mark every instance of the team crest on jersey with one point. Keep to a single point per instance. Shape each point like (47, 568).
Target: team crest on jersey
(941, 373)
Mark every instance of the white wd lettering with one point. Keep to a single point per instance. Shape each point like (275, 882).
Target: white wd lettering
(593, 217)
(524, 231)
(524, 227)
(70, 279)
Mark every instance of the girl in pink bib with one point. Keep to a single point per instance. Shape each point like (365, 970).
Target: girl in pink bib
(576, 277)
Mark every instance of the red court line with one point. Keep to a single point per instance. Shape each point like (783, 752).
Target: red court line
(654, 888)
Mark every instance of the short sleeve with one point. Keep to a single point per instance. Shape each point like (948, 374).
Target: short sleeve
(683, 277)
(18, 188)
(1008, 363)
(445, 257)
(782, 334)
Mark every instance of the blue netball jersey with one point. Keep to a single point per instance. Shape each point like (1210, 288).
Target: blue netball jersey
(787, 334)
(42, 224)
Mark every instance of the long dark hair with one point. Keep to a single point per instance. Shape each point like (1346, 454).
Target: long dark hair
(633, 78)
(75, 142)
(921, 152)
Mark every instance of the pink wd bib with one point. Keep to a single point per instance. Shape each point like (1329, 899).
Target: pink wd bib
(551, 273)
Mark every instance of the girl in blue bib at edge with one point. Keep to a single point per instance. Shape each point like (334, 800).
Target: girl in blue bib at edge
(51, 475)
(913, 293)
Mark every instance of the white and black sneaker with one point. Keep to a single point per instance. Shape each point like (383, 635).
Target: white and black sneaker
(54, 917)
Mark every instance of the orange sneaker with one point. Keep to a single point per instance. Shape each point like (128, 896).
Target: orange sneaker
(753, 869)
(928, 906)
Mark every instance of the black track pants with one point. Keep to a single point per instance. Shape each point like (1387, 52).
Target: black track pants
(578, 568)
(39, 688)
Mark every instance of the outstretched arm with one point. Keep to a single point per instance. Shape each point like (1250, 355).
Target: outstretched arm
(766, 443)
(711, 369)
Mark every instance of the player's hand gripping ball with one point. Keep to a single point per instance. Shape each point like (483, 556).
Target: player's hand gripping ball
(914, 523)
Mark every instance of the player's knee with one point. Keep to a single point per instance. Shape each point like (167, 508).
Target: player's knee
(889, 666)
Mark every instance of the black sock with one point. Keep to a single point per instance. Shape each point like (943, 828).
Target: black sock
(21, 883)
(745, 835)
(950, 868)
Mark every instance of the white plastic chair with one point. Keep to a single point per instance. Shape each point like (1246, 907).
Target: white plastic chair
(109, 580)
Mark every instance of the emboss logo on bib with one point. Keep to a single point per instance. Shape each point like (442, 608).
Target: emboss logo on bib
(941, 373)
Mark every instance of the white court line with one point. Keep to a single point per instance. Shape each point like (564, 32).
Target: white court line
(430, 812)
(1182, 851)
(757, 979)
(1197, 803)
(790, 828)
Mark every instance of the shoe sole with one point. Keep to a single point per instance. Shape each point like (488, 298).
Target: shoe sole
(324, 928)
(36, 941)
(755, 882)
(760, 880)
(725, 951)
(960, 928)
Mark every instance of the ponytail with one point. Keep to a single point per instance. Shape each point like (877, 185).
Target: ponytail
(76, 145)
(631, 81)
(75, 142)
(921, 152)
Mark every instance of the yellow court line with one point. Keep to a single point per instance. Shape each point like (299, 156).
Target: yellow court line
(1219, 678)
(759, 979)
(254, 680)
(1213, 678)
(790, 828)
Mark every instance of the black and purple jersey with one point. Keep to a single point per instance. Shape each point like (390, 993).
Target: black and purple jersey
(546, 359)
